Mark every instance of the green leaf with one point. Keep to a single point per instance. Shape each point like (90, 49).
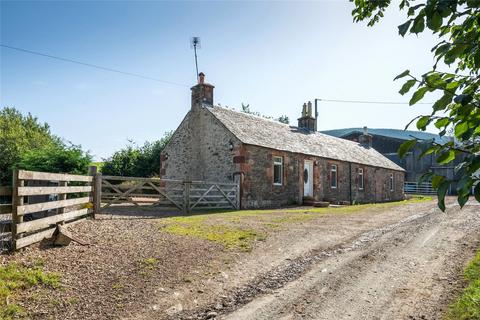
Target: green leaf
(401, 75)
(405, 147)
(403, 28)
(460, 129)
(435, 80)
(446, 157)
(441, 191)
(462, 199)
(443, 122)
(476, 192)
(443, 102)
(418, 95)
(407, 86)
(437, 180)
(429, 150)
(435, 21)
(423, 122)
(418, 24)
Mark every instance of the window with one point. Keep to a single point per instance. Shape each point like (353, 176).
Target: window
(360, 178)
(333, 176)
(277, 171)
(391, 182)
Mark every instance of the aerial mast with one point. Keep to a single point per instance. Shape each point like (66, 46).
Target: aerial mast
(194, 44)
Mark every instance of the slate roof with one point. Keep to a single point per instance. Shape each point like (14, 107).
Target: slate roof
(391, 133)
(258, 131)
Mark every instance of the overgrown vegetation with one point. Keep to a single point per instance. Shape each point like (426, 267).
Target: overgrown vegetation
(26, 143)
(137, 161)
(14, 278)
(467, 306)
(283, 118)
(457, 25)
(235, 230)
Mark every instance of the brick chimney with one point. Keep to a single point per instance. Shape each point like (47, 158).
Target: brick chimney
(307, 121)
(365, 139)
(202, 93)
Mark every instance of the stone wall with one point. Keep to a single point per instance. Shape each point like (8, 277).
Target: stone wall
(199, 150)
(259, 190)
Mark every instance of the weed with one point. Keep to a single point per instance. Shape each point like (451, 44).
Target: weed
(467, 306)
(14, 277)
(149, 263)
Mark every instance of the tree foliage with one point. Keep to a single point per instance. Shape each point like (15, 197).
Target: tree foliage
(26, 143)
(57, 158)
(137, 161)
(457, 25)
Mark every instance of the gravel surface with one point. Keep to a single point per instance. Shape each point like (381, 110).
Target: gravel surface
(404, 262)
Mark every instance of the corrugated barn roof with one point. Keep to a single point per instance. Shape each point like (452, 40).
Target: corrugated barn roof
(255, 130)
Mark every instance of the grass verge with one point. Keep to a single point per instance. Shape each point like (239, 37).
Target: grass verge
(241, 228)
(15, 278)
(467, 306)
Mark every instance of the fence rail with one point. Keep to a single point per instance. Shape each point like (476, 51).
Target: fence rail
(42, 200)
(419, 188)
(183, 195)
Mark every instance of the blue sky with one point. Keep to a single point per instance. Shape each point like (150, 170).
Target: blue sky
(271, 55)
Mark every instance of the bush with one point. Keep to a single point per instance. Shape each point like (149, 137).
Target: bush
(134, 161)
(59, 158)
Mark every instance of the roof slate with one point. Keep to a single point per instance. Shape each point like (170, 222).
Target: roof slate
(391, 133)
(258, 131)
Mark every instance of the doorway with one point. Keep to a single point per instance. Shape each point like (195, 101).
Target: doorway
(308, 178)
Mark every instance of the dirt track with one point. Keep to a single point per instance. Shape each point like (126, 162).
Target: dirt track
(403, 270)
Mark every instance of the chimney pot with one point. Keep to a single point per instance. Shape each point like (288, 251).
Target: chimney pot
(201, 78)
(202, 93)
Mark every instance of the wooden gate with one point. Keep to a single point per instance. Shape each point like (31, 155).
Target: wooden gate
(167, 193)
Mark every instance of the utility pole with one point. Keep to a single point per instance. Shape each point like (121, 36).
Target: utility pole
(194, 43)
(316, 112)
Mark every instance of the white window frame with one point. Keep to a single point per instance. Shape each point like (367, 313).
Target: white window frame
(278, 161)
(392, 182)
(334, 168)
(361, 182)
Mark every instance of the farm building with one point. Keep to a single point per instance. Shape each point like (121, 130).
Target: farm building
(387, 142)
(276, 164)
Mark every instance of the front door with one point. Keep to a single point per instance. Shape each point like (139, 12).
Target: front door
(308, 179)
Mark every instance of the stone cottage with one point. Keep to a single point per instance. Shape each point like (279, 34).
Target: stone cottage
(276, 164)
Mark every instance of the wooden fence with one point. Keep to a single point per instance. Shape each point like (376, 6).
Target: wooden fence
(68, 198)
(175, 194)
(40, 201)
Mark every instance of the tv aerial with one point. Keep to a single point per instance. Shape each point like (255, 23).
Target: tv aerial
(195, 44)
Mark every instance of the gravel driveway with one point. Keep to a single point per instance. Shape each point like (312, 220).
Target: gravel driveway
(389, 261)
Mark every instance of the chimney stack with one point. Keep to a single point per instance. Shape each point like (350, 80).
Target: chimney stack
(365, 139)
(307, 121)
(202, 93)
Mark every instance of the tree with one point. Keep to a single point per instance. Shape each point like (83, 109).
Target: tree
(20, 134)
(457, 25)
(134, 161)
(58, 158)
(284, 119)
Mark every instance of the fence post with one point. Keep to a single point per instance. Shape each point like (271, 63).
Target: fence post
(16, 202)
(97, 189)
(186, 194)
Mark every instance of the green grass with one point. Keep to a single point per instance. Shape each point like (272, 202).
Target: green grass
(239, 229)
(149, 263)
(467, 306)
(15, 278)
(230, 237)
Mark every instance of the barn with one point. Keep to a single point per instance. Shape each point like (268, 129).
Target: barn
(276, 164)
